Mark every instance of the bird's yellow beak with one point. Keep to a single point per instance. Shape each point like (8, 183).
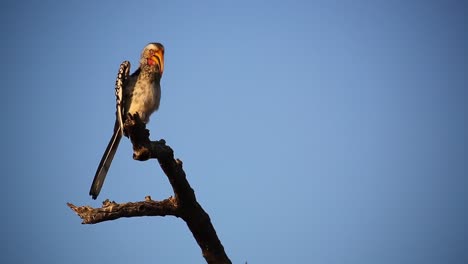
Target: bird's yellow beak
(158, 58)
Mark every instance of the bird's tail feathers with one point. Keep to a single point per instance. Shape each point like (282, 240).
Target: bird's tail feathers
(105, 163)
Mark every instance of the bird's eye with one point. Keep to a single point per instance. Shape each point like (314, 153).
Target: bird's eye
(151, 52)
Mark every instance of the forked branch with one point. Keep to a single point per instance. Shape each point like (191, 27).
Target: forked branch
(183, 205)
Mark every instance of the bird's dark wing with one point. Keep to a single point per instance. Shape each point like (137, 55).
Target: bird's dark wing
(106, 160)
(120, 84)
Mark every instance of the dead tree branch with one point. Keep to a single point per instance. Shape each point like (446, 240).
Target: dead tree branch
(183, 205)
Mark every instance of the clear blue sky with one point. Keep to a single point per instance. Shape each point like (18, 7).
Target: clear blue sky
(312, 132)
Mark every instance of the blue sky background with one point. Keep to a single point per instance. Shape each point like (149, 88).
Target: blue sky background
(312, 132)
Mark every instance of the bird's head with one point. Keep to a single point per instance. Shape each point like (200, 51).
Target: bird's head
(153, 57)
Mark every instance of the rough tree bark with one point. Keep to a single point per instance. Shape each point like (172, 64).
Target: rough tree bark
(183, 204)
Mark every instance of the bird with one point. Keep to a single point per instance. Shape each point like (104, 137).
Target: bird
(139, 93)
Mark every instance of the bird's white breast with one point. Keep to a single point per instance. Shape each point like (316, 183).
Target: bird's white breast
(145, 99)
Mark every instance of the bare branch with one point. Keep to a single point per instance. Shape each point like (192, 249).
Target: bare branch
(184, 203)
(112, 210)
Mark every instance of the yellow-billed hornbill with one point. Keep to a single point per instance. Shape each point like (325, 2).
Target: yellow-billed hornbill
(139, 93)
